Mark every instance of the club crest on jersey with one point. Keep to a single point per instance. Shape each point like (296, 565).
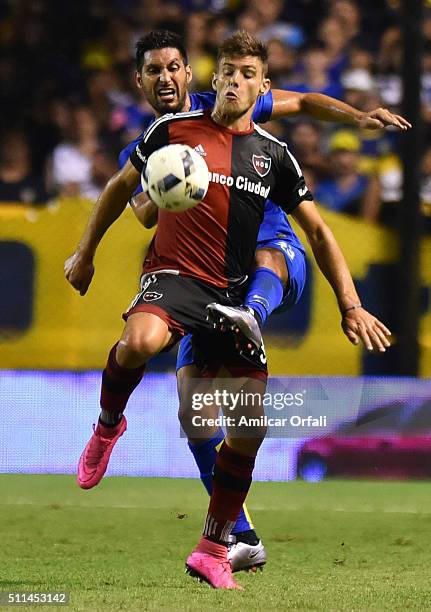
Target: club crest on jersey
(261, 164)
(151, 296)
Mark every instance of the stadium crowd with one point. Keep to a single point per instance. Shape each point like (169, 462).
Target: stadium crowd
(69, 101)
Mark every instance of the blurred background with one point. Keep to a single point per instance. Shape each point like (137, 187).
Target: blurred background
(69, 105)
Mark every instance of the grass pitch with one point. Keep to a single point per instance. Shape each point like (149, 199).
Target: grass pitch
(332, 546)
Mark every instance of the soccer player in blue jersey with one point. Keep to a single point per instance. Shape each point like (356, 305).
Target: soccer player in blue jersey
(163, 74)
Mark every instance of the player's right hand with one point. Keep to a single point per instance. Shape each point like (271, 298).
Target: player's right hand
(359, 325)
(79, 271)
(380, 118)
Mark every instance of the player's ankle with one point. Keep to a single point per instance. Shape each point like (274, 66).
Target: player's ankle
(248, 537)
(110, 419)
(215, 540)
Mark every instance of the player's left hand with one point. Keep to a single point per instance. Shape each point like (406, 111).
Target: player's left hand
(359, 325)
(380, 118)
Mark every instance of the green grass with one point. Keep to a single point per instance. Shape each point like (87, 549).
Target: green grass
(332, 546)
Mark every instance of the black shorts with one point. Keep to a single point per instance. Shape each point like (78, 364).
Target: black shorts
(181, 301)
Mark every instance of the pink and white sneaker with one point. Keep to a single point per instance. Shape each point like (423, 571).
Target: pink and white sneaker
(209, 562)
(95, 457)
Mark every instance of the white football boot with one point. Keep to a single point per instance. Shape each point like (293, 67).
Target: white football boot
(244, 556)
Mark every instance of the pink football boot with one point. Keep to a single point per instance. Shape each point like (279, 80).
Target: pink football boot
(95, 457)
(209, 562)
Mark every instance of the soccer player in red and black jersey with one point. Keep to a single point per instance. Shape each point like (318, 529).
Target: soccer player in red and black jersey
(163, 74)
(181, 279)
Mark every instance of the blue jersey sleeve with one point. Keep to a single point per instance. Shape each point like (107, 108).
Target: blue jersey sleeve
(263, 109)
(126, 152)
(202, 100)
(205, 101)
(125, 155)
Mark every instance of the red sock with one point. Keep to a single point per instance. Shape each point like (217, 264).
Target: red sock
(118, 384)
(231, 483)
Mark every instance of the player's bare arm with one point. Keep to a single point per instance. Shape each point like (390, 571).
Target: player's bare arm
(357, 323)
(145, 210)
(79, 267)
(325, 108)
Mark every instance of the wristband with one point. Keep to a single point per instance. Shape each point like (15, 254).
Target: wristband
(343, 312)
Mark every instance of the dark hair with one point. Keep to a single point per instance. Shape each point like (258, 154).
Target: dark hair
(241, 44)
(159, 39)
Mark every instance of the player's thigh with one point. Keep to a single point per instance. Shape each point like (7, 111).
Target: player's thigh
(268, 257)
(144, 335)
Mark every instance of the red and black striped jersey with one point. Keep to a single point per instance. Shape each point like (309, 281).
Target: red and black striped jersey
(215, 241)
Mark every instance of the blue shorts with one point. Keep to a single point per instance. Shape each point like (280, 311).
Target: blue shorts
(185, 356)
(295, 262)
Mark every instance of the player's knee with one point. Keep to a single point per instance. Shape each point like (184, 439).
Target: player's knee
(183, 414)
(143, 344)
(274, 260)
(186, 417)
(184, 408)
(249, 445)
(257, 435)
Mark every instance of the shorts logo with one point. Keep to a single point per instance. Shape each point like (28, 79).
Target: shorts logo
(261, 164)
(151, 296)
(286, 248)
(262, 355)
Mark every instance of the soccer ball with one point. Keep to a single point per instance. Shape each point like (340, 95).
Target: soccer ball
(175, 178)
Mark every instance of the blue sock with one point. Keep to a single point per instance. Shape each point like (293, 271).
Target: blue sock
(205, 455)
(265, 293)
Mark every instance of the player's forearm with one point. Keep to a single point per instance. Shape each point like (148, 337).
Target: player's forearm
(109, 206)
(318, 106)
(325, 108)
(331, 262)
